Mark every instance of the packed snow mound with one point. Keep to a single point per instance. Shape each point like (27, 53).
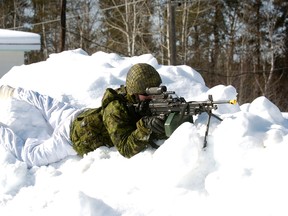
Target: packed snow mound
(243, 170)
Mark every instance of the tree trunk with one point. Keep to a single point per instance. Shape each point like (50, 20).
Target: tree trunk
(171, 33)
(63, 26)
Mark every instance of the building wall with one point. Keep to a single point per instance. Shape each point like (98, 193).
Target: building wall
(8, 59)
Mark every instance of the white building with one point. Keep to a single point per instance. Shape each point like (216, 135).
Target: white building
(13, 44)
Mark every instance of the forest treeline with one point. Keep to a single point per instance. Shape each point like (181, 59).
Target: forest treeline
(243, 43)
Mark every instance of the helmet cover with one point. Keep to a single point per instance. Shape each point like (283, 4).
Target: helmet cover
(140, 77)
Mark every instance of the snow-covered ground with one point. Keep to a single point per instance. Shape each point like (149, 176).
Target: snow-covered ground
(243, 171)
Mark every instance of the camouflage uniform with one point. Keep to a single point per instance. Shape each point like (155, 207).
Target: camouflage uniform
(116, 122)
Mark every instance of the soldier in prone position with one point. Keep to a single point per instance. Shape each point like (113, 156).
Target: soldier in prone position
(116, 123)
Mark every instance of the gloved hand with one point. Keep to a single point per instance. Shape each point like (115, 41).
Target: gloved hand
(155, 123)
(143, 108)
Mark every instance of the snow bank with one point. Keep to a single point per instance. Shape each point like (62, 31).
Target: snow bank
(243, 171)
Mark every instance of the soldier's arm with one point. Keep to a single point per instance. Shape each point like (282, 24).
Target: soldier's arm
(129, 138)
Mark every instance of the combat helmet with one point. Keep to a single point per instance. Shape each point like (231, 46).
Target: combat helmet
(141, 76)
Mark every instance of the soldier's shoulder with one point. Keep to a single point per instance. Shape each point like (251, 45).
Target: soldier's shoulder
(112, 95)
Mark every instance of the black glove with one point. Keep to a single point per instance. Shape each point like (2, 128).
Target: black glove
(155, 123)
(143, 108)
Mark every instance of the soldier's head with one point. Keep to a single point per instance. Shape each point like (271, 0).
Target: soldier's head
(140, 77)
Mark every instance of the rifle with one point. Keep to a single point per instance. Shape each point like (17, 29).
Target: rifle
(175, 110)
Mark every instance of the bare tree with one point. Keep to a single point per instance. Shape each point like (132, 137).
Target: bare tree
(127, 24)
(82, 28)
(13, 13)
(272, 47)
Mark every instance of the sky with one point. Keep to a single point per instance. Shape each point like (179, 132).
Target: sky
(243, 170)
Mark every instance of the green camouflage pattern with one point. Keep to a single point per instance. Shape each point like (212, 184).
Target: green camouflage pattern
(142, 76)
(115, 123)
(88, 132)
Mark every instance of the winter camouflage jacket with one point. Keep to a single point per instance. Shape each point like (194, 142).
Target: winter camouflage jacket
(115, 123)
